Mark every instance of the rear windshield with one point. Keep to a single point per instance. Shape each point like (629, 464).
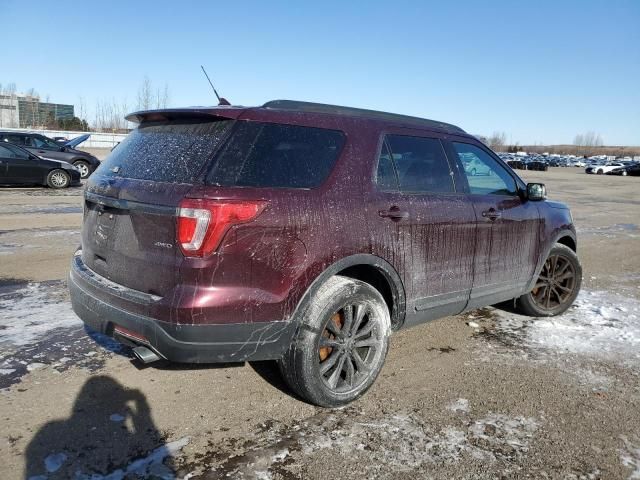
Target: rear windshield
(172, 152)
(275, 155)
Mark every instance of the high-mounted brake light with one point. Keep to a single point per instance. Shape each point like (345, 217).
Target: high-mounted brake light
(202, 223)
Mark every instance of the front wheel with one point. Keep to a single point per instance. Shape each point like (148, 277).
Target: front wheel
(340, 345)
(58, 179)
(83, 166)
(557, 285)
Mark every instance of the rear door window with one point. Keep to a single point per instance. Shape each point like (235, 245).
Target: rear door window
(420, 164)
(276, 155)
(172, 152)
(17, 139)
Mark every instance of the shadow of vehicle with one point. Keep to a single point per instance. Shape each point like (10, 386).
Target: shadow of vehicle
(109, 433)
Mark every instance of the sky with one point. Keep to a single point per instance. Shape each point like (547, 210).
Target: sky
(540, 71)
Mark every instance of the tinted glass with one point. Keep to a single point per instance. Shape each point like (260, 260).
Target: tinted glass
(6, 152)
(274, 155)
(173, 152)
(386, 175)
(17, 139)
(484, 174)
(421, 164)
(42, 142)
(14, 152)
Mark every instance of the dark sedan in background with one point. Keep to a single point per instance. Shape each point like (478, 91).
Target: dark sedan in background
(633, 170)
(49, 148)
(18, 166)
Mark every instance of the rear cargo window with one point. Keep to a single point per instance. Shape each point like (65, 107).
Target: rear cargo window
(275, 155)
(172, 152)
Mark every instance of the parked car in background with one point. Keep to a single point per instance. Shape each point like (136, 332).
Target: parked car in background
(553, 162)
(18, 166)
(516, 164)
(44, 146)
(257, 246)
(537, 165)
(474, 167)
(599, 169)
(633, 169)
(580, 163)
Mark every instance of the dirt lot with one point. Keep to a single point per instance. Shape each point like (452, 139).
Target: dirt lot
(486, 394)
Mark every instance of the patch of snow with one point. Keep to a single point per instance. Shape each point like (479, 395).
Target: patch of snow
(473, 325)
(459, 405)
(32, 311)
(151, 466)
(630, 457)
(406, 442)
(599, 324)
(35, 366)
(7, 371)
(54, 461)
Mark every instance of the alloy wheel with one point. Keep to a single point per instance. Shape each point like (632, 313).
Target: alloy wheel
(556, 284)
(59, 179)
(84, 170)
(349, 348)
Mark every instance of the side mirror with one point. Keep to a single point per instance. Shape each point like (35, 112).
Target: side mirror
(536, 192)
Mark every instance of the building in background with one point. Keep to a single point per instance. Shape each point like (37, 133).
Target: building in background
(26, 111)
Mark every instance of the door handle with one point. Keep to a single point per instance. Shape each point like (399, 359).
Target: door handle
(394, 213)
(491, 214)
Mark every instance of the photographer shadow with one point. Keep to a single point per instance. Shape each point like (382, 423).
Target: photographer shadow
(110, 432)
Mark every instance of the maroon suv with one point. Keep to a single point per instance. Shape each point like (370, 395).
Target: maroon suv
(307, 233)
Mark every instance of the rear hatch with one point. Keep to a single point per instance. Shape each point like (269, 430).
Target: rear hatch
(129, 230)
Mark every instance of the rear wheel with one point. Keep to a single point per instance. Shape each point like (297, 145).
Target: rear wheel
(58, 179)
(599, 172)
(83, 166)
(341, 343)
(557, 285)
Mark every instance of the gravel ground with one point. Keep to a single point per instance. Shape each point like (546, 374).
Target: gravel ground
(487, 394)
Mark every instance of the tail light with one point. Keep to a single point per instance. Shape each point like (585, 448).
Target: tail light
(202, 223)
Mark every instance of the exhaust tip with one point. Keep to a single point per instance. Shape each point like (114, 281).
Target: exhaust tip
(145, 355)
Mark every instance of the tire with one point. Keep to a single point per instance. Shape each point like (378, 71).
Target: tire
(58, 179)
(600, 172)
(85, 169)
(549, 301)
(338, 371)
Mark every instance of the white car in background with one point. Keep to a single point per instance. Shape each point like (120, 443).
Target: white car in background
(600, 169)
(579, 163)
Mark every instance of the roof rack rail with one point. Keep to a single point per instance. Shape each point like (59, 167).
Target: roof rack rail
(312, 107)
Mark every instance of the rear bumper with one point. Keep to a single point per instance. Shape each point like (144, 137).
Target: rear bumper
(220, 343)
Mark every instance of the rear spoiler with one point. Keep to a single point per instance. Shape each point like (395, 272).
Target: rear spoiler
(204, 113)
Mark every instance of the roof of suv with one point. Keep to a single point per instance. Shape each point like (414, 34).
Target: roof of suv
(294, 106)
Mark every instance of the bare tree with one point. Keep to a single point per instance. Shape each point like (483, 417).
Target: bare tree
(497, 140)
(589, 139)
(145, 95)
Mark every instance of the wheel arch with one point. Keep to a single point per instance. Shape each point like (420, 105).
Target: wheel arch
(563, 237)
(370, 269)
